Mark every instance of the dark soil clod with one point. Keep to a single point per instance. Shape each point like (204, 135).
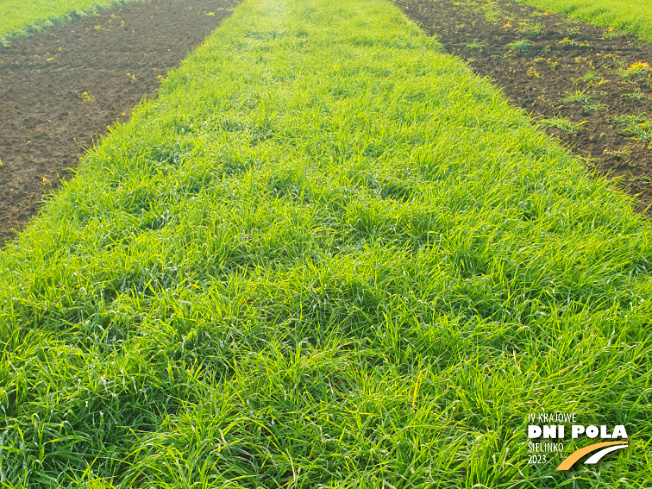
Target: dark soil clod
(585, 85)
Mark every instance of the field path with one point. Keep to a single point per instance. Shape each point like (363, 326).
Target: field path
(60, 89)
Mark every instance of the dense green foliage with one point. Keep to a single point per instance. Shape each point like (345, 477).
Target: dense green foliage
(327, 256)
(19, 17)
(632, 16)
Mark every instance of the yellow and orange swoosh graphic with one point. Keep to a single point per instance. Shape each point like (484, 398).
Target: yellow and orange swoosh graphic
(575, 456)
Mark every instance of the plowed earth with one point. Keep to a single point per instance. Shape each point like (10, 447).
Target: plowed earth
(588, 86)
(61, 88)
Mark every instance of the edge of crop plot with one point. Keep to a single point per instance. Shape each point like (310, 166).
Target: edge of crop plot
(85, 75)
(604, 13)
(581, 83)
(47, 23)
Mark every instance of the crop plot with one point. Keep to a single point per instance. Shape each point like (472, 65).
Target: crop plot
(61, 88)
(588, 86)
(327, 255)
(632, 16)
(20, 18)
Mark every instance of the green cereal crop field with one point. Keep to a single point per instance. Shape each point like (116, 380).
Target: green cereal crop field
(632, 16)
(326, 256)
(18, 17)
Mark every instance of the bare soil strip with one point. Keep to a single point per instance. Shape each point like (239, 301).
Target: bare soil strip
(61, 88)
(589, 86)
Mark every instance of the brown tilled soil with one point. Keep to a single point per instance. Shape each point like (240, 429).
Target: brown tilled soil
(591, 87)
(61, 88)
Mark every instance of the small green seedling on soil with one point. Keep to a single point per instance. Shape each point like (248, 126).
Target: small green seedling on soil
(594, 107)
(560, 123)
(610, 34)
(635, 69)
(636, 126)
(532, 72)
(589, 77)
(618, 153)
(579, 96)
(521, 45)
(474, 46)
(534, 29)
(574, 30)
(638, 68)
(636, 95)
